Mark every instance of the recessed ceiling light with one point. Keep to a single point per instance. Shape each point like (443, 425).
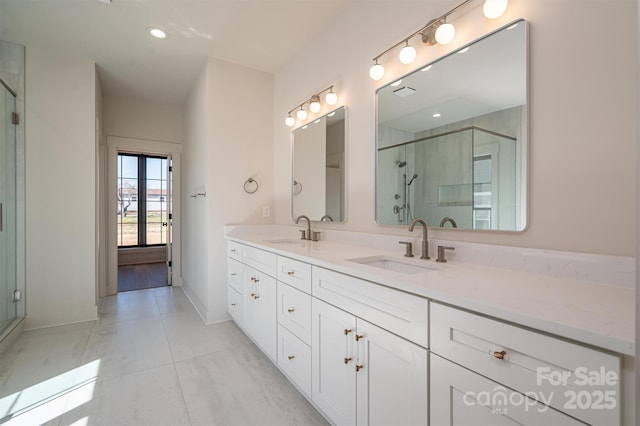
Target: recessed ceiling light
(465, 50)
(437, 115)
(396, 83)
(317, 121)
(157, 32)
(426, 68)
(332, 114)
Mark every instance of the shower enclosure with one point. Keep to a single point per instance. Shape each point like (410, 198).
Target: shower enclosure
(468, 174)
(9, 293)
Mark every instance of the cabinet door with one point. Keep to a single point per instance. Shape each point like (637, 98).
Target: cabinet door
(392, 382)
(260, 309)
(462, 397)
(333, 362)
(235, 306)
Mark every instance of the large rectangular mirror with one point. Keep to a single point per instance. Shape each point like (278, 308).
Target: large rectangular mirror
(318, 187)
(452, 138)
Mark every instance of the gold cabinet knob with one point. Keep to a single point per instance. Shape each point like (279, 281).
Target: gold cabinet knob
(347, 331)
(499, 355)
(291, 357)
(291, 310)
(358, 337)
(233, 274)
(359, 367)
(347, 360)
(291, 272)
(233, 304)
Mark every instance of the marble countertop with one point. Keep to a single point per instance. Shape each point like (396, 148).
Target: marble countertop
(587, 312)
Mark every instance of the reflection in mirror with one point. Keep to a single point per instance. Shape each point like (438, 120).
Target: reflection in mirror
(318, 187)
(451, 138)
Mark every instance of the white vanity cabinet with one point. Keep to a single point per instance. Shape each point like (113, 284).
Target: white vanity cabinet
(294, 321)
(361, 373)
(498, 373)
(251, 294)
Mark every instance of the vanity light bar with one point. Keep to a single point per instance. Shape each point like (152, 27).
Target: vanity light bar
(436, 31)
(314, 106)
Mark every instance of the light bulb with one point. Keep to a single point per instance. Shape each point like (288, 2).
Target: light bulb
(315, 106)
(376, 72)
(494, 8)
(302, 114)
(331, 98)
(289, 121)
(407, 54)
(445, 33)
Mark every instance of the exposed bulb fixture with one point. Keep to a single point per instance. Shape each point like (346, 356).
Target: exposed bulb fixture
(377, 71)
(289, 121)
(445, 33)
(493, 9)
(436, 31)
(157, 32)
(407, 54)
(331, 98)
(314, 105)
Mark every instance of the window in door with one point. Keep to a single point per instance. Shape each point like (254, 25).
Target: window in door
(142, 200)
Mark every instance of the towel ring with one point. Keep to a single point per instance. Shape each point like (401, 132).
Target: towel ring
(249, 182)
(297, 187)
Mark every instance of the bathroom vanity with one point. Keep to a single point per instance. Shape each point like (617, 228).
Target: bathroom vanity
(371, 337)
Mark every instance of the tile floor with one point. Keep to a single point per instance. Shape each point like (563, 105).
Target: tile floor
(149, 360)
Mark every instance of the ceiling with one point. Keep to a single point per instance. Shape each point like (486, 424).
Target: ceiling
(259, 34)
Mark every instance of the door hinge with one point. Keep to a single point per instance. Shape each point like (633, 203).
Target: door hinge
(15, 118)
(170, 168)
(169, 264)
(17, 295)
(170, 215)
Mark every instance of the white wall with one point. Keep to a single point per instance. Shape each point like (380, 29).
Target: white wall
(583, 92)
(137, 119)
(228, 139)
(60, 197)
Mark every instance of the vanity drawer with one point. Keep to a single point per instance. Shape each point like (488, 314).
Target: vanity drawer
(234, 275)
(541, 366)
(294, 311)
(234, 250)
(294, 357)
(259, 259)
(295, 273)
(401, 313)
(234, 305)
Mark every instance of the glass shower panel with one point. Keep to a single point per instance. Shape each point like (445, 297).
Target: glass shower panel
(8, 309)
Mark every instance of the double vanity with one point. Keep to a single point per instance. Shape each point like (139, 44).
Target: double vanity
(372, 337)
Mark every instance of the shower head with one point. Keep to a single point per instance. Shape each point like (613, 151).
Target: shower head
(401, 163)
(415, 175)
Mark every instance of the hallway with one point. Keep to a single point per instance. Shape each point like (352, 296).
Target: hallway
(148, 360)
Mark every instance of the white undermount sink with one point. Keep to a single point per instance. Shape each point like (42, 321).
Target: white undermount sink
(396, 265)
(285, 241)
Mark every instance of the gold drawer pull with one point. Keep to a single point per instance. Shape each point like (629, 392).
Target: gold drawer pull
(499, 355)
(359, 336)
(253, 295)
(347, 360)
(291, 310)
(291, 272)
(347, 331)
(233, 304)
(291, 357)
(233, 274)
(359, 367)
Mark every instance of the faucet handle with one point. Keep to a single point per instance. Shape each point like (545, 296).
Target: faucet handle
(315, 236)
(303, 234)
(441, 253)
(409, 248)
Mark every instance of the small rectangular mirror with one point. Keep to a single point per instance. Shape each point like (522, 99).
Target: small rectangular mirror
(318, 187)
(452, 138)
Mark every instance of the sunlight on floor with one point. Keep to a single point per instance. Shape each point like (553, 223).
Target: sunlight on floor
(51, 398)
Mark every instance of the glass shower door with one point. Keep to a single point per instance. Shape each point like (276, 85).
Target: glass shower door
(8, 308)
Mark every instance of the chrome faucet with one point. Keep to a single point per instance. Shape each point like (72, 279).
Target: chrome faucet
(307, 235)
(425, 241)
(450, 220)
(326, 218)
